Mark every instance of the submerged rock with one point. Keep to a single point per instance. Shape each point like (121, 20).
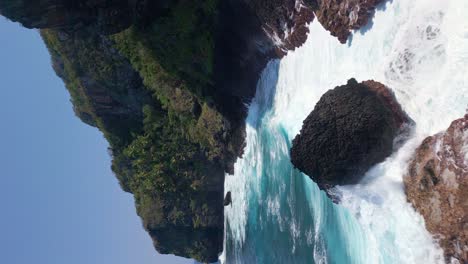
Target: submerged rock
(352, 128)
(437, 186)
(227, 199)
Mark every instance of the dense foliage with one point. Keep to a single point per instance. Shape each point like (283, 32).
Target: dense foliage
(148, 90)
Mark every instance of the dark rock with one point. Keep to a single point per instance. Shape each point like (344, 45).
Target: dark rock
(351, 128)
(109, 91)
(227, 199)
(437, 186)
(230, 43)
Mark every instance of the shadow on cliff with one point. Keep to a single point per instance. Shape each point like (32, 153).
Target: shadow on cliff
(265, 94)
(259, 106)
(242, 50)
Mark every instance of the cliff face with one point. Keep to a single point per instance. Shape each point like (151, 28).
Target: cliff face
(168, 90)
(437, 186)
(105, 90)
(163, 142)
(167, 83)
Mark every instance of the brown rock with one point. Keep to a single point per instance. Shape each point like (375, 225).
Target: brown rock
(388, 98)
(340, 17)
(437, 186)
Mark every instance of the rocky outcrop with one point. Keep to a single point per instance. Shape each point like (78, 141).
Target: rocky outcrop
(351, 128)
(340, 17)
(167, 82)
(284, 21)
(437, 186)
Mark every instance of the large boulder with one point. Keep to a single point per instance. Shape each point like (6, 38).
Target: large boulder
(437, 186)
(351, 128)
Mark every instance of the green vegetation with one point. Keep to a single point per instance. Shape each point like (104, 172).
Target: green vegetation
(183, 42)
(165, 54)
(148, 90)
(99, 88)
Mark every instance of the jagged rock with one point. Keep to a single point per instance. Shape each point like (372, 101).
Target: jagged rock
(285, 21)
(437, 186)
(198, 75)
(340, 17)
(351, 128)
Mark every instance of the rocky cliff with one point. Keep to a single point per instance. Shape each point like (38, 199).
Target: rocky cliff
(351, 128)
(437, 186)
(341, 16)
(167, 83)
(168, 90)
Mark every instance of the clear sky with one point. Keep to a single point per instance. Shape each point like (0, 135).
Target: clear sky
(59, 201)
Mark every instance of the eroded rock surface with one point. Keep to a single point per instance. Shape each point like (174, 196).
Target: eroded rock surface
(437, 186)
(173, 76)
(351, 128)
(340, 17)
(285, 21)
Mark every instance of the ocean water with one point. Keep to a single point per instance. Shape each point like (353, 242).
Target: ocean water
(418, 48)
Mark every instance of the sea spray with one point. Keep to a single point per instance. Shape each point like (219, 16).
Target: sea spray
(420, 50)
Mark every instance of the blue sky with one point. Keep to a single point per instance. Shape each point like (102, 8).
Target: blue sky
(59, 201)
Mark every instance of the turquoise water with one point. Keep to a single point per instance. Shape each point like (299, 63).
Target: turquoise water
(419, 49)
(290, 220)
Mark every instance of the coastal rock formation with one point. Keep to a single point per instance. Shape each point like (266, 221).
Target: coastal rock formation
(351, 128)
(340, 17)
(437, 186)
(167, 82)
(285, 21)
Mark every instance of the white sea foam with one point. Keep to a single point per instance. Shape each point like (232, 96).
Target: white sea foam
(419, 49)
